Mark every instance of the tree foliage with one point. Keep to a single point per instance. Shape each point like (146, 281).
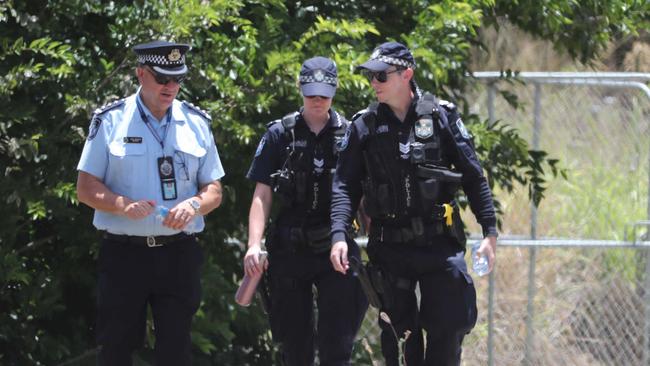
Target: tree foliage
(60, 59)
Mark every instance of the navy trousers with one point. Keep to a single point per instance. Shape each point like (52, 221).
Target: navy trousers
(132, 276)
(340, 302)
(447, 309)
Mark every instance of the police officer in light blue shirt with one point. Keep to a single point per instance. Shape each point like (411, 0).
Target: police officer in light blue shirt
(144, 151)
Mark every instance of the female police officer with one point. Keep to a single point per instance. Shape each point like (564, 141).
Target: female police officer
(295, 160)
(400, 153)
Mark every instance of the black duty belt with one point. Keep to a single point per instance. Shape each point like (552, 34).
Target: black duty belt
(150, 241)
(406, 234)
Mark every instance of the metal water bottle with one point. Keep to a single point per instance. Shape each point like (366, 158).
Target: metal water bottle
(248, 286)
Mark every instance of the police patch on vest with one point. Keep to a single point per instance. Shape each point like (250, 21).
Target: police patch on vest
(462, 129)
(346, 138)
(94, 128)
(424, 128)
(260, 146)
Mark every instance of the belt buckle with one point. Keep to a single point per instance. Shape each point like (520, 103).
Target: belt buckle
(151, 242)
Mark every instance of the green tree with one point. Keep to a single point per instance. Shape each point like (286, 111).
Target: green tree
(60, 59)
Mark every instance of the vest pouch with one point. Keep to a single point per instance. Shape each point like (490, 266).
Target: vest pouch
(384, 200)
(457, 229)
(370, 199)
(429, 189)
(318, 239)
(301, 187)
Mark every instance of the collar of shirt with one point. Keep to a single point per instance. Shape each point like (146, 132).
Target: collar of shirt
(146, 110)
(390, 116)
(332, 122)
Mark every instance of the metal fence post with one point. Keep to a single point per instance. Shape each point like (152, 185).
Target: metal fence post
(530, 309)
(491, 283)
(645, 357)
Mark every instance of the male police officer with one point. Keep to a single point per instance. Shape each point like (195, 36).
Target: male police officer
(295, 160)
(145, 150)
(400, 153)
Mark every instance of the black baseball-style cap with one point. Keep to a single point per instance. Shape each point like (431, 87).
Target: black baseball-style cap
(318, 77)
(387, 54)
(165, 58)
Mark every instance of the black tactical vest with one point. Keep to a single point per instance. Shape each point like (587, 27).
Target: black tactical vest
(305, 180)
(406, 180)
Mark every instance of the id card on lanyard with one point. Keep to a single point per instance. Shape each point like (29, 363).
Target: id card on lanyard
(165, 163)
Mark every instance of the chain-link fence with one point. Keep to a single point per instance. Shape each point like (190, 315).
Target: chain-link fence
(572, 284)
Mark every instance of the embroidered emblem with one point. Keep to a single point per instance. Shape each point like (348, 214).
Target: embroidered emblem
(94, 128)
(175, 55)
(318, 165)
(319, 76)
(382, 129)
(404, 150)
(462, 129)
(424, 128)
(346, 139)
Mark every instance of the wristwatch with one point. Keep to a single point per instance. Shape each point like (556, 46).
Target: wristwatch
(195, 205)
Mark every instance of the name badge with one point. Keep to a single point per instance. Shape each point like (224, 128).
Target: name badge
(132, 140)
(167, 178)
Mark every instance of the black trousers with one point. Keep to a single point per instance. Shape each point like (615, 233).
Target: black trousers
(132, 276)
(447, 308)
(341, 305)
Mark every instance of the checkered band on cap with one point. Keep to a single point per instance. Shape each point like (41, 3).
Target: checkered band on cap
(161, 60)
(394, 61)
(322, 79)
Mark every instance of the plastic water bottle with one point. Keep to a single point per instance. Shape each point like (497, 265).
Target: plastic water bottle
(161, 212)
(480, 265)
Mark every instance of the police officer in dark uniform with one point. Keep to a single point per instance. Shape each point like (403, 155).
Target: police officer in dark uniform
(407, 154)
(143, 151)
(294, 163)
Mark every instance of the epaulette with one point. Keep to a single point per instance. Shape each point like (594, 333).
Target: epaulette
(449, 106)
(198, 110)
(359, 114)
(372, 108)
(107, 107)
(268, 125)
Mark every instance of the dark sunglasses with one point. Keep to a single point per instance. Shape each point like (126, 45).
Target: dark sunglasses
(166, 79)
(381, 76)
(316, 96)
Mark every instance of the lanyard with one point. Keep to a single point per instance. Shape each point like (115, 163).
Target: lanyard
(145, 119)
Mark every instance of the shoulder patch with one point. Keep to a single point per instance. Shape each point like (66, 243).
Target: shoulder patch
(260, 146)
(107, 107)
(94, 127)
(449, 106)
(462, 129)
(343, 143)
(197, 110)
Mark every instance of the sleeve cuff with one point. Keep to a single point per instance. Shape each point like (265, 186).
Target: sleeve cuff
(490, 231)
(338, 236)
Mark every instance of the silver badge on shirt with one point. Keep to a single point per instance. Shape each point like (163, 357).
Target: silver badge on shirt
(424, 128)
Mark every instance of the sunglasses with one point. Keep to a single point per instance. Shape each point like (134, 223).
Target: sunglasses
(381, 76)
(166, 79)
(316, 96)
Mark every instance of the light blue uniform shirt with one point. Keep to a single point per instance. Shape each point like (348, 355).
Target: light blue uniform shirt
(123, 153)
